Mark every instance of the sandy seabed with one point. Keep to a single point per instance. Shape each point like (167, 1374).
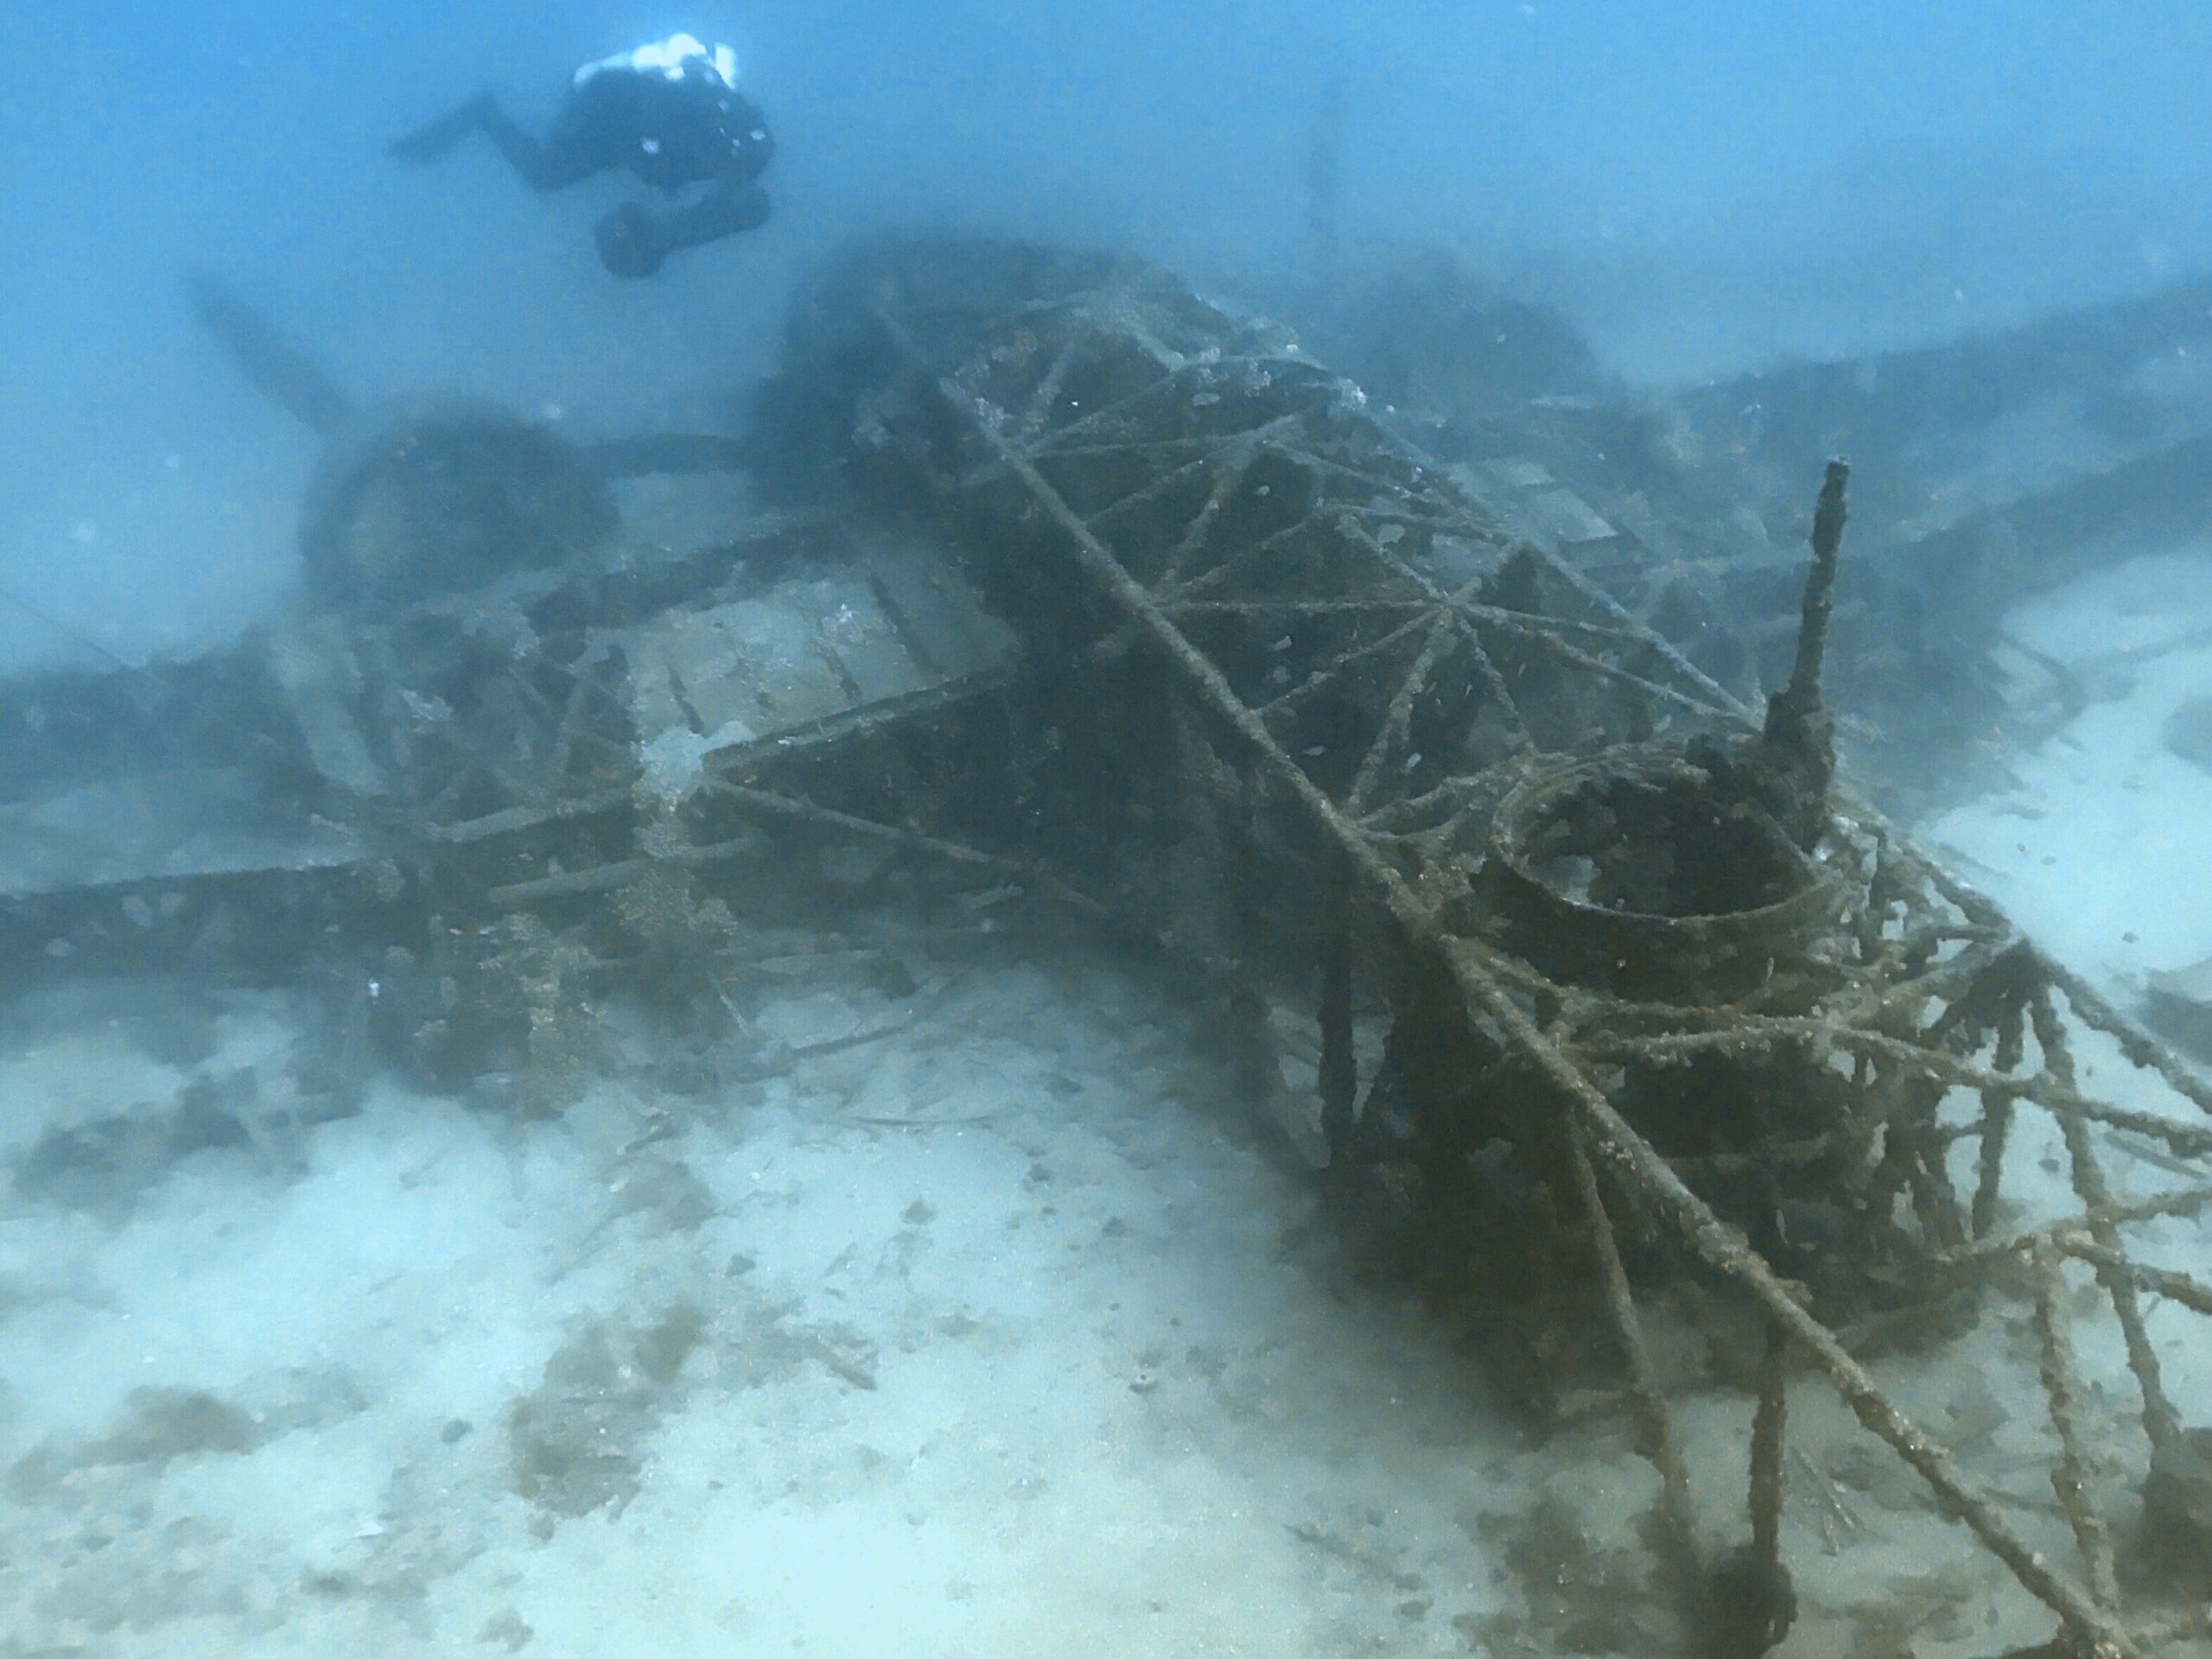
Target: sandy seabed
(1005, 1331)
(978, 1338)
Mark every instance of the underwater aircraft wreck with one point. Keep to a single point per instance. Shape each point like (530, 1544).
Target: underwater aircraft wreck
(1634, 1029)
(489, 655)
(1990, 468)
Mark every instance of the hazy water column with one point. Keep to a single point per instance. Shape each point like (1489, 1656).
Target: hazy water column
(1701, 185)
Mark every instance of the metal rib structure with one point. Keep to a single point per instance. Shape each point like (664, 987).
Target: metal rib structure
(1562, 862)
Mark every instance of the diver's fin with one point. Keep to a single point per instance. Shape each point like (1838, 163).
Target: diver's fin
(434, 141)
(272, 364)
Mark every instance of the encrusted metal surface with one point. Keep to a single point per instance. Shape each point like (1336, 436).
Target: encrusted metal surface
(1824, 1068)
(1619, 1001)
(448, 757)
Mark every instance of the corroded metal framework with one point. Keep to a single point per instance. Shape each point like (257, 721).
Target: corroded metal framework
(1730, 1024)
(1456, 758)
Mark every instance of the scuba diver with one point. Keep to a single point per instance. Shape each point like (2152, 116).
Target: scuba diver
(669, 112)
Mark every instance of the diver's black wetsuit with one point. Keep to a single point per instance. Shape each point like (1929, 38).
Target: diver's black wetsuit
(673, 127)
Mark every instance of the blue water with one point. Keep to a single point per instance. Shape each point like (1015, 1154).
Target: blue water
(1701, 187)
(974, 1313)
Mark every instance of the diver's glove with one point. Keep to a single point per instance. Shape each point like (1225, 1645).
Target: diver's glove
(627, 247)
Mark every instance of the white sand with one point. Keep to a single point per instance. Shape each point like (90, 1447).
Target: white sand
(2103, 848)
(1038, 1378)
(999, 1335)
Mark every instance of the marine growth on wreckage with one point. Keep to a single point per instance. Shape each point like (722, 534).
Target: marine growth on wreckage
(1663, 1013)
(1633, 1036)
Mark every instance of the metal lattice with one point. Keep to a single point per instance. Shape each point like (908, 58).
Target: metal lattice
(1512, 782)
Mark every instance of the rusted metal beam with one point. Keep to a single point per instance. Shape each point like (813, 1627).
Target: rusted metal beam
(1618, 1144)
(1388, 669)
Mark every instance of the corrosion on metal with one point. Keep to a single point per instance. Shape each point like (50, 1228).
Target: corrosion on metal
(1522, 785)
